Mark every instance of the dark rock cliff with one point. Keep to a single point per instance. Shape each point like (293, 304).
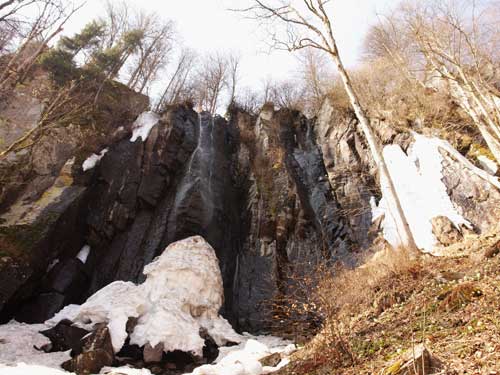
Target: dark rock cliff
(256, 189)
(274, 195)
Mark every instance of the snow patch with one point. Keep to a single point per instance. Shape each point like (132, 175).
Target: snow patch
(182, 293)
(17, 344)
(143, 125)
(124, 371)
(243, 359)
(93, 159)
(418, 182)
(84, 253)
(24, 369)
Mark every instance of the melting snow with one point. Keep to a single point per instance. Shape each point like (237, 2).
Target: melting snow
(17, 346)
(24, 369)
(93, 159)
(124, 371)
(243, 359)
(418, 181)
(143, 125)
(182, 293)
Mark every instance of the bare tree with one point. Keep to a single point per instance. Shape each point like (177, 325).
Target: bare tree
(458, 42)
(117, 19)
(233, 75)
(288, 94)
(248, 100)
(308, 24)
(153, 51)
(39, 30)
(315, 78)
(178, 87)
(212, 79)
(267, 85)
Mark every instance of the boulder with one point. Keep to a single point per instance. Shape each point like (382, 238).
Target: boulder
(416, 361)
(97, 352)
(153, 354)
(65, 336)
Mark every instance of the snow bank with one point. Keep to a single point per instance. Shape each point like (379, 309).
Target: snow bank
(418, 181)
(17, 344)
(243, 359)
(93, 159)
(182, 293)
(143, 125)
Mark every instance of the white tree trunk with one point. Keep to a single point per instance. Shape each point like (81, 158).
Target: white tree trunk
(463, 99)
(386, 184)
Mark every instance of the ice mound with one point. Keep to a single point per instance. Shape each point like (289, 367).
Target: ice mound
(182, 295)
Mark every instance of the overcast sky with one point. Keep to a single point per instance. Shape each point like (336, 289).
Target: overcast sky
(207, 25)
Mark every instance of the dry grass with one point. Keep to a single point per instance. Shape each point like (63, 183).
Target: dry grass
(381, 311)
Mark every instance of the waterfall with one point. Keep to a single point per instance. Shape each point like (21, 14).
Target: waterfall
(195, 187)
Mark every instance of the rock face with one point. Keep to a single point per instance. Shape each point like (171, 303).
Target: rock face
(256, 189)
(350, 168)
(43, 196)
(273, 194)
(291, 217)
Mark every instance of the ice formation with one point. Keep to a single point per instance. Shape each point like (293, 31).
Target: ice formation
(182, 293)
(423, 195)
(143, 125)
(93, 159)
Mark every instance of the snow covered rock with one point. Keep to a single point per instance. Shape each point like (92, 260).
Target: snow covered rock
(182, 294)
(143, 125)
(93, 159)
(245, 359)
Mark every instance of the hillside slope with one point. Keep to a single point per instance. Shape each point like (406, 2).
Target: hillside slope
(448, 304)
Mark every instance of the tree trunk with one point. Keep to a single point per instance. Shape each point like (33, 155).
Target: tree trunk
(386, 184)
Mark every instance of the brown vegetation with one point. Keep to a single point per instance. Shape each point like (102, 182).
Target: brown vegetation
(376, 315)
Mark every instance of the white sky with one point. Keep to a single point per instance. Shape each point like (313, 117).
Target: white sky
(208, 25)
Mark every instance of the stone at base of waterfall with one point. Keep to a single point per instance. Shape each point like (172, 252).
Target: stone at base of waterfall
(181, 296)
(97, 352)
(64, 336)
(153, 354)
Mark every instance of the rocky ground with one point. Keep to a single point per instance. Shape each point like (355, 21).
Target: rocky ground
(447, 304)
